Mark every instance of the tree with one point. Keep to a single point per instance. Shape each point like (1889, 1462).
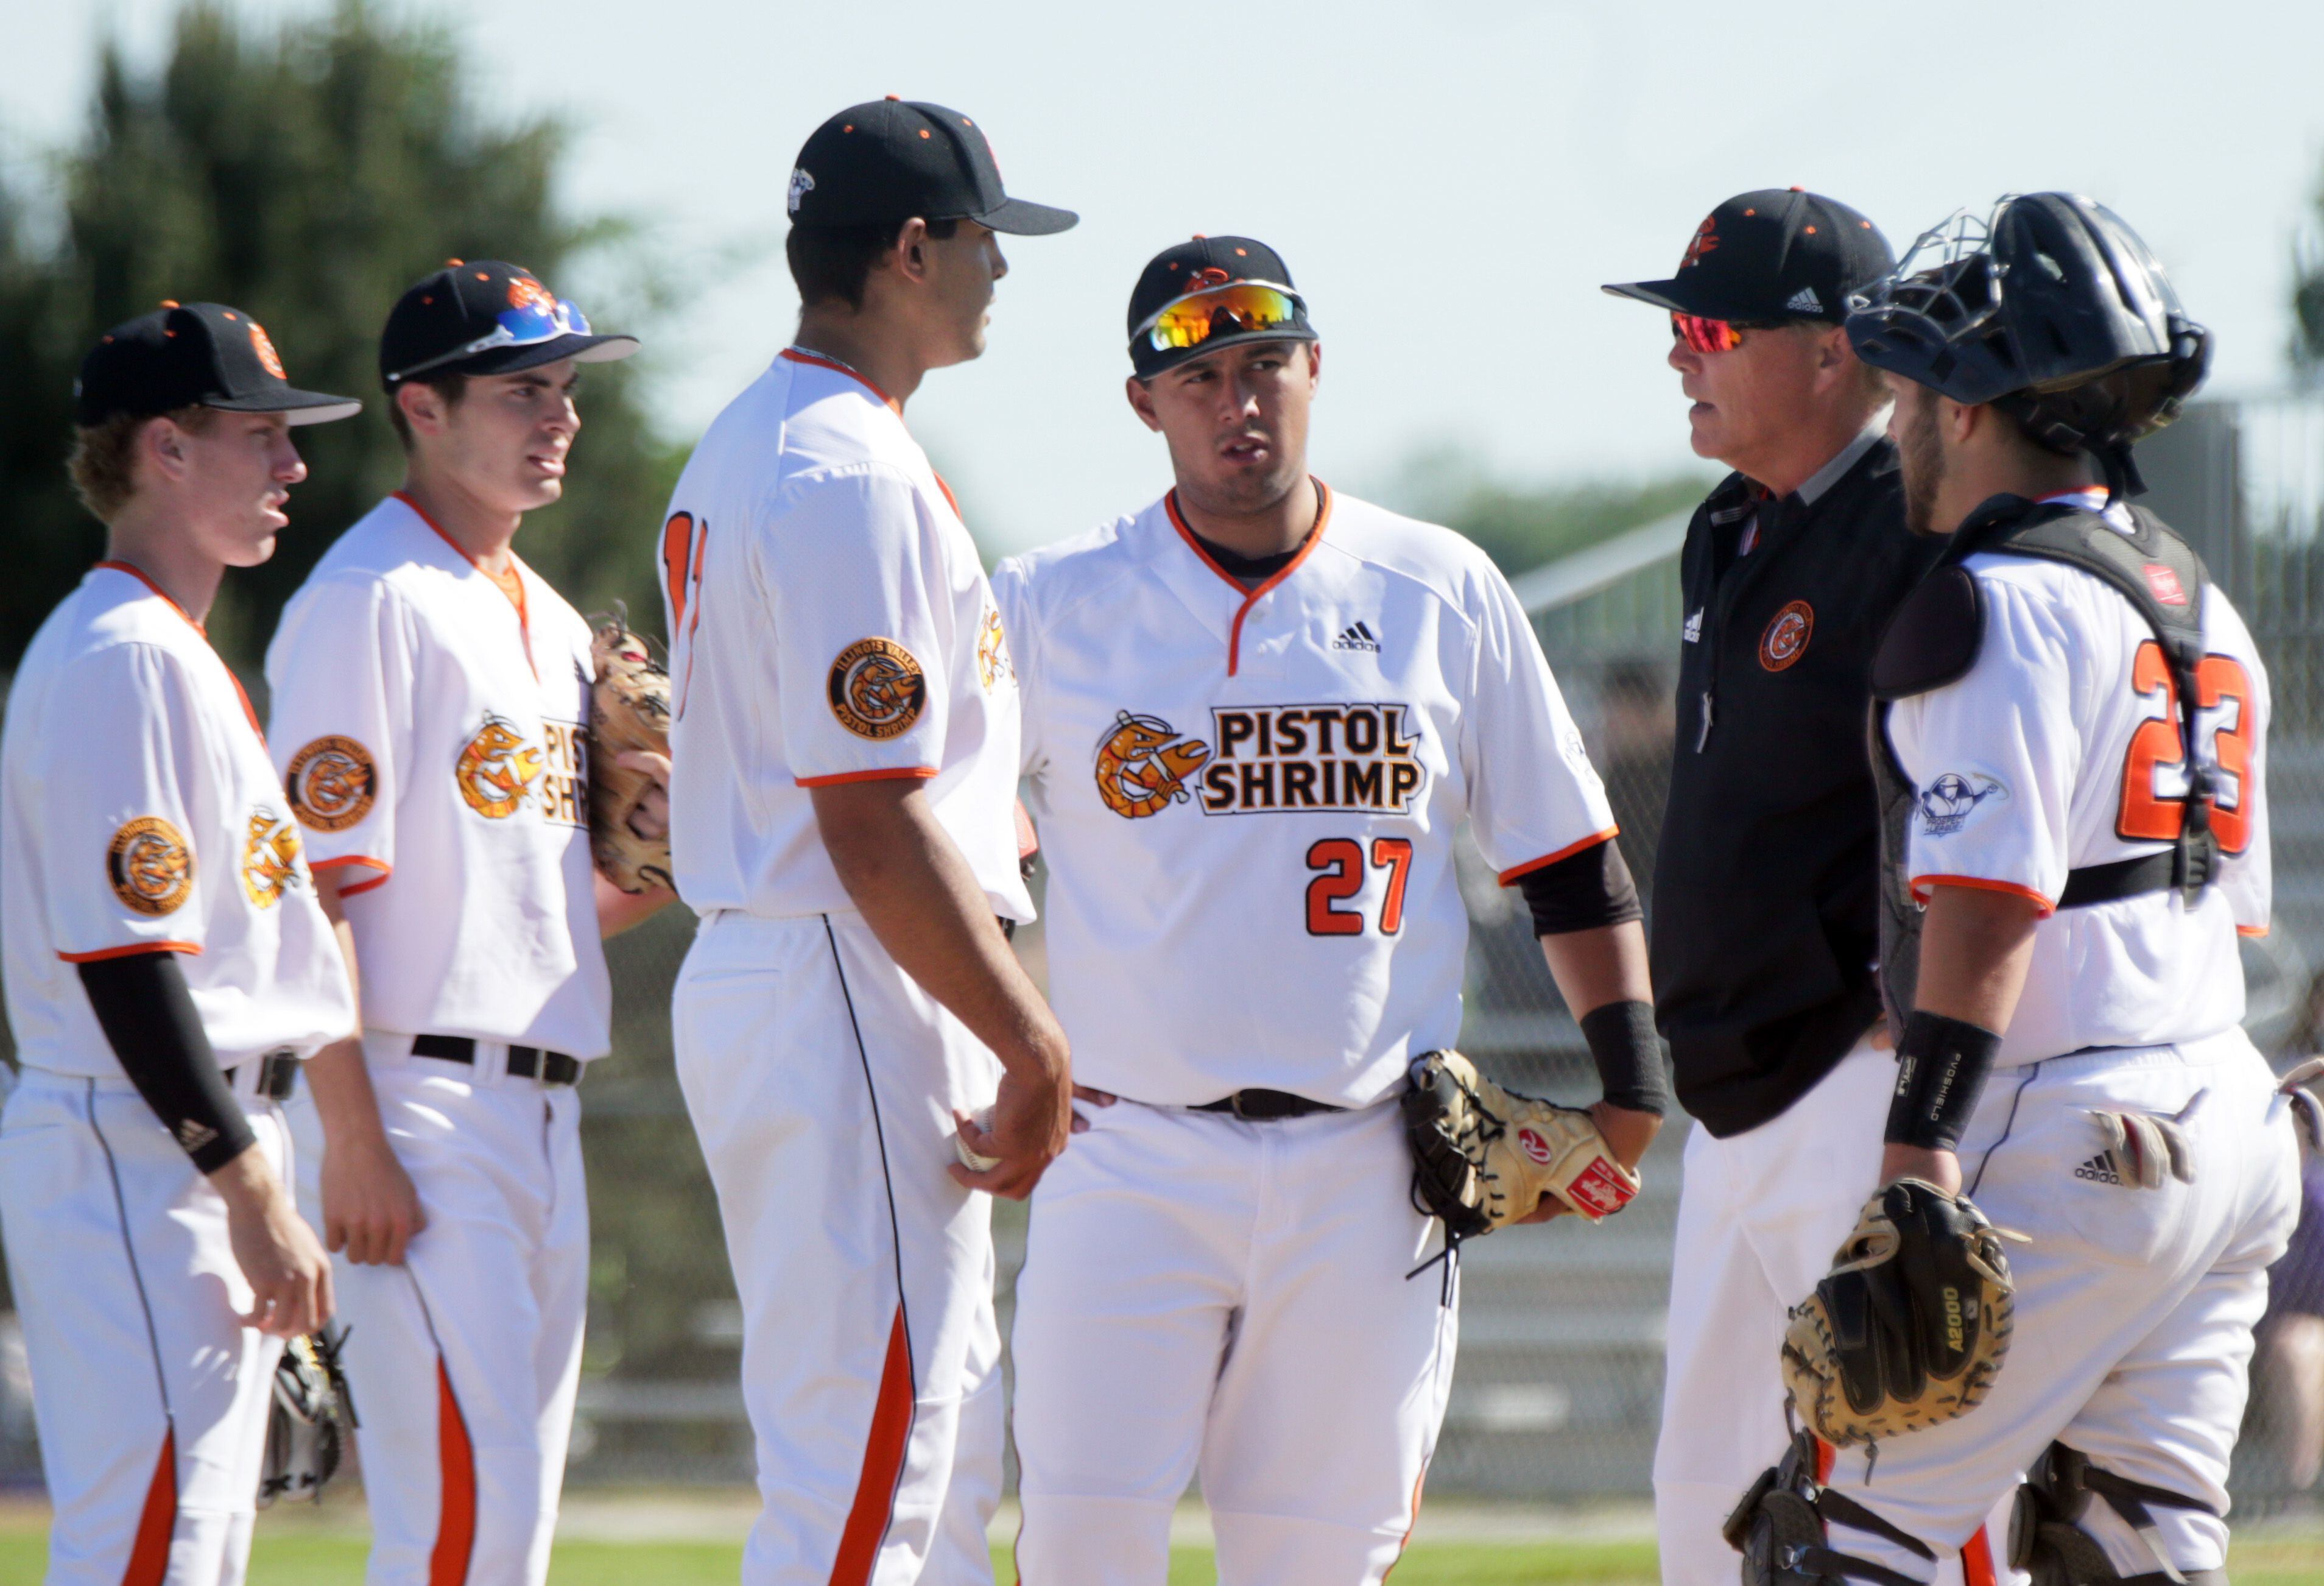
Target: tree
(1522, 529)
(308, 175)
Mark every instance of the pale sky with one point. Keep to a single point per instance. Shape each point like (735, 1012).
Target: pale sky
(1450, 183)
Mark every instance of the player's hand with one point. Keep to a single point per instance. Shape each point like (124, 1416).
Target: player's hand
(289, 1276)
(370, 1210)
(1032, 1117)
(1942, 1168)
(1095, 1098)
(1550, 1206)
(1627, 1134)
(649, 819)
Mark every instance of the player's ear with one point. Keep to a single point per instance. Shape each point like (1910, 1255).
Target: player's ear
(1141, 403)
(1315, 366)
(163, 446)
(422, 406)
(912, 250)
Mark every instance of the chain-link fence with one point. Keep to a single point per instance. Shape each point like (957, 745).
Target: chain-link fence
(1559, 1380)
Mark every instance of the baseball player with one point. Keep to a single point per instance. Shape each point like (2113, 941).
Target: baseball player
(843, 806)
(167, 969)
(1256, 712)
(1764, 926)
(431, 711)
(2072, 750)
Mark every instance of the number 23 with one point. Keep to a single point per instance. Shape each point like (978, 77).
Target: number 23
(2148, 814)
(1341, 861)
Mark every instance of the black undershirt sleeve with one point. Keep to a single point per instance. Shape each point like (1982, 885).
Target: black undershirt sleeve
(143, 1006)
(1583, 891)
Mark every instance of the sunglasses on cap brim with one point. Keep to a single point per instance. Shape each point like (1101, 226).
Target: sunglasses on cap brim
(1702, 335)
(1239, 309)
(531, 323)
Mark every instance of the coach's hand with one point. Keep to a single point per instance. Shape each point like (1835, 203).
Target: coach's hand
(289, 1276)
(1032, 1117)
(370, 1210)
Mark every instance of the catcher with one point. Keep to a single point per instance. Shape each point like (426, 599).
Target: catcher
(433, 722)
(2071, 751)
(1256, 713)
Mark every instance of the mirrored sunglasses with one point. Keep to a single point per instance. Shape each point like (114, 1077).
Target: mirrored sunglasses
(537, 319)
(1713, 336)
(1226, 310)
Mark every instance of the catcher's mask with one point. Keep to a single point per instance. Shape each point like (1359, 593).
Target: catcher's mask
(2051, 309)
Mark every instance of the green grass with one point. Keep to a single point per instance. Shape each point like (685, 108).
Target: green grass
(338, 1561)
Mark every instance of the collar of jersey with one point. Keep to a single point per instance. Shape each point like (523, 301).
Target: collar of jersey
(1249, 597)
(825, 360)
(171, 602)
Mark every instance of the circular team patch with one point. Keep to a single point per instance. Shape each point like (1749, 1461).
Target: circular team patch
(1787, 638)
(877, 688)
(332, 783)
(150, 866)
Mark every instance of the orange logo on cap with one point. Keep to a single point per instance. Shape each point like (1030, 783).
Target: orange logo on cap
(524, 292)
(264, 348)
(1704, 241)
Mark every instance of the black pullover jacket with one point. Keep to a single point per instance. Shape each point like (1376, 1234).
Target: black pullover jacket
(1765, 924)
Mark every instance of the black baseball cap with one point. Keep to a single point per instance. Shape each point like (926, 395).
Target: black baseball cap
(194, 354)
(486, 317)
(893, 158)
(1210, 264)
(1777, 253)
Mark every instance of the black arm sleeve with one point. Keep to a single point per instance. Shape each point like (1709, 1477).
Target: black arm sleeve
(1581, 892)
(142, 1005)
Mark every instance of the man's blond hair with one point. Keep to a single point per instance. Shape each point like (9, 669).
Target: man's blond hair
(104, 461)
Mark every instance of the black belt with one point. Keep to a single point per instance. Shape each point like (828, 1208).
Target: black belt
(1262, 1106)
(2125, 878)
(278, 1072)
(525, 1062)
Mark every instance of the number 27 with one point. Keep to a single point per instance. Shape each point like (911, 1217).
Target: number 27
(1341, 861)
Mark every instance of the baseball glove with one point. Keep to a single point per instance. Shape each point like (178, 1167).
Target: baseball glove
(1483, 1157)
(1910, 1327)
(308, 1423)
(628, 708)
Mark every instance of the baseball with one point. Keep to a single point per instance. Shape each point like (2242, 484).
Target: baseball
(975, 1161)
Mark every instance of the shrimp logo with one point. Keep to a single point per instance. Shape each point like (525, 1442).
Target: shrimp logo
(332, 783)
(1143, 765)
(150, 866)
(269, 858)
(877, 689)
(497, 768)
(263, 345)
(992, 662)
(530, 296)
(1705, 240)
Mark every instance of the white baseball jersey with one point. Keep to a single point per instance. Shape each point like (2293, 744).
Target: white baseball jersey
(139, 812)
(1249, 796)
(432, 729)
(829, 621)
(2058, 750)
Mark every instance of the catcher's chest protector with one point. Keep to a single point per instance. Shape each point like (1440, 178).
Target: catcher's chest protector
(1933, 640)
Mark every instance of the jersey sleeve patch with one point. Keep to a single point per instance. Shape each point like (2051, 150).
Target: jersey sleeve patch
(1954, 798)
(333, 783)
(270, 859)
(877, 689)
(151, 866)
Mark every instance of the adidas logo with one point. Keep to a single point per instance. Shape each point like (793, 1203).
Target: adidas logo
(1357, 636)
(1804, 301)
(2098, 1170)
(192, 1136)
(1692, 633)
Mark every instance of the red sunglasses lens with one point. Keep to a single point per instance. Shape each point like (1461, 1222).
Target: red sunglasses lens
(1705, 335)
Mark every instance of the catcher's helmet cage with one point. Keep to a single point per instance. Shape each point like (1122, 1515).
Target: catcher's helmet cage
(2053, 309)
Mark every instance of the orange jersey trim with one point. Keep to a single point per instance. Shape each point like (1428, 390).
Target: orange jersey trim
(192, 949)
(239, 691)
(1250, 597)
(349, 889)
(799, 356)
(1976, 1561)
(510, 583)
(883, 1464)
(456, 1525)
(1923, 885)
(2252, 931)
(1509, 877)
(148, 1554)
(888, 774)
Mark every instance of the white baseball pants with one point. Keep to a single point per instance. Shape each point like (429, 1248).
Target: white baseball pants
(2135, 1306)
(150, 1394)
(464, 1361)
(822, 1081)
(1200, 1293)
